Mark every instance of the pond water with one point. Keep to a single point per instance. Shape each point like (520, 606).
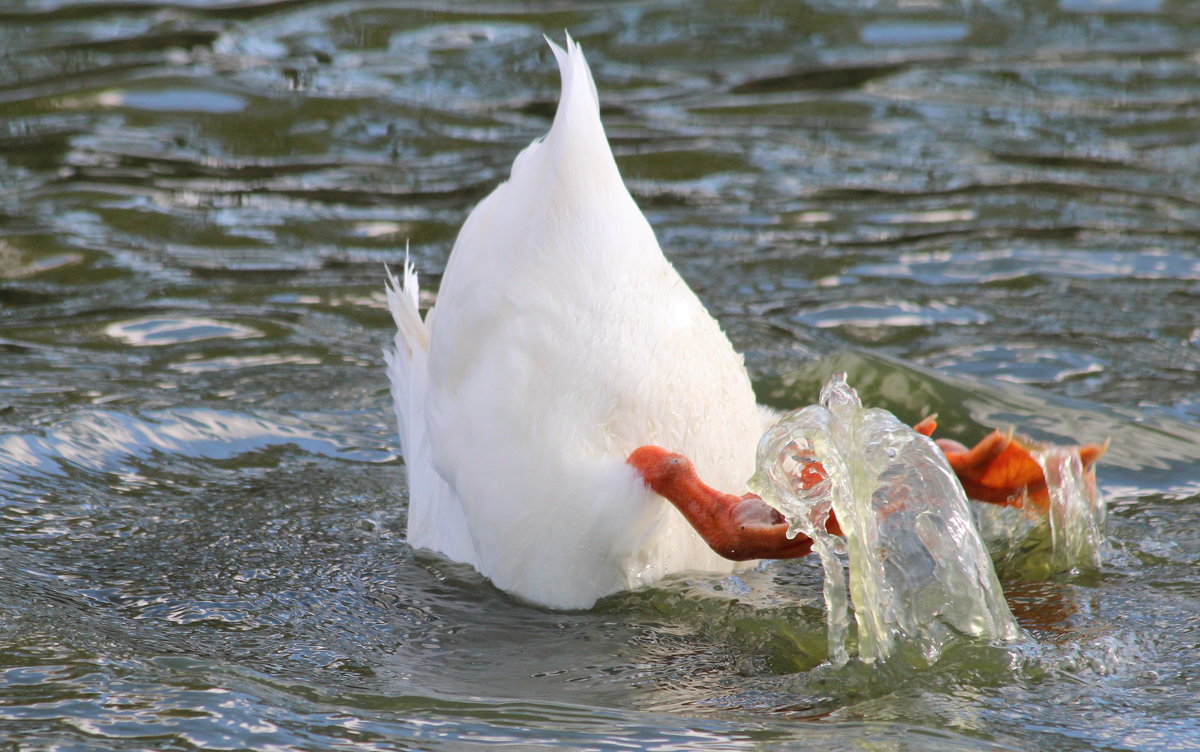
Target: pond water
(986, 210)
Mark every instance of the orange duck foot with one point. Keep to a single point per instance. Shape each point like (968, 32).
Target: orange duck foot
(1000, 469)
(736, 527)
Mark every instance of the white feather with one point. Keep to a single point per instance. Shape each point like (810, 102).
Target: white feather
(435, 515)
(564, 339)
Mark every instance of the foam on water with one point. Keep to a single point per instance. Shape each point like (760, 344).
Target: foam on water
(919, 574)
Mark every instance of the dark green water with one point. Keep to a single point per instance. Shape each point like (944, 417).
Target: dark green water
(990, 210)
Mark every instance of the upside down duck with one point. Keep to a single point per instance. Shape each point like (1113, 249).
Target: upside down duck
(534, 401)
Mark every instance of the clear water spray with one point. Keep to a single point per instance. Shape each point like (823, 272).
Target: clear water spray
(919, 575)
(1077, 510)
(1059, 532)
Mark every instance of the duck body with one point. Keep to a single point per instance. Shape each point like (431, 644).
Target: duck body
(535, 399)
(562, 340)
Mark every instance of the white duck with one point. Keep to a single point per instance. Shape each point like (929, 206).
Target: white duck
(561, 342)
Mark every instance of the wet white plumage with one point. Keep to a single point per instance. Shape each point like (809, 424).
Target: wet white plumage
(562, 339)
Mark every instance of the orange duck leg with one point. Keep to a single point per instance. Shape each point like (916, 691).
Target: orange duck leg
(736, 527)
(999, 470)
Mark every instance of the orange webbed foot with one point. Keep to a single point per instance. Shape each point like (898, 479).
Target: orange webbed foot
(736, 527)
(1000, 469)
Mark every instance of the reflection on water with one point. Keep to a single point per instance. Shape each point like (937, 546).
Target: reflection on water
(981, 210)
(175, 331)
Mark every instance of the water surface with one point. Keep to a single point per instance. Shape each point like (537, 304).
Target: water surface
(983, 210)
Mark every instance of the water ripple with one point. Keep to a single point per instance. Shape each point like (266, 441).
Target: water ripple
(108, 442)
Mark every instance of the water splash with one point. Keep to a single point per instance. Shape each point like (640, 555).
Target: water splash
(1059, 530)
(1077, 510)
(919, 575)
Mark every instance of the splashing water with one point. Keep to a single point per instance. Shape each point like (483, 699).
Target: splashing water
(1077, 510)
(1062, 532)
(919, 574)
